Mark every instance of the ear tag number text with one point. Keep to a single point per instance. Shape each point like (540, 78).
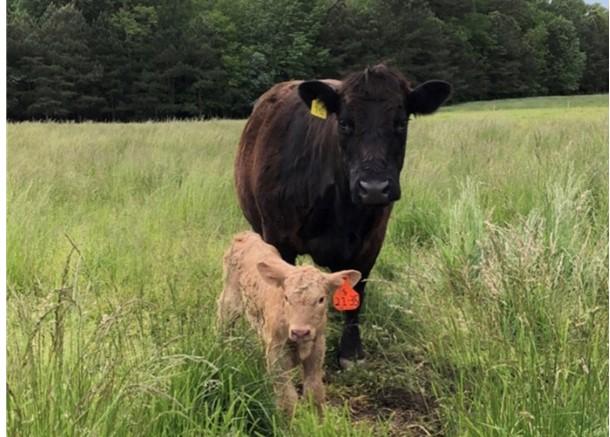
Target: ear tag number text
(345, 297)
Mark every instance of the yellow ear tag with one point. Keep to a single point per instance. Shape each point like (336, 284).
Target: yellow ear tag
(318, 109)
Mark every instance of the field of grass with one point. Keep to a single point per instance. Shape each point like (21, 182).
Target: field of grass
(487, 312)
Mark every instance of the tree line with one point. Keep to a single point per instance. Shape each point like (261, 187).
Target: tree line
(153, 59)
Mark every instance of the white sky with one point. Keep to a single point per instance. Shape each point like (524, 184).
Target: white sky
(603, 2)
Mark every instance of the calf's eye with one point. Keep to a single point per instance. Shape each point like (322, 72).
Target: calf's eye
(321, 300)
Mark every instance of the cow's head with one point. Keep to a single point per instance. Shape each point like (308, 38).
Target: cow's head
(305, 292)
(371, 111)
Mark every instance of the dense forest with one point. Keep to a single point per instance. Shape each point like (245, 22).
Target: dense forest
(153, 59)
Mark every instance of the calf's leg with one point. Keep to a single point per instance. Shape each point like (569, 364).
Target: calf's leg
(230, 304)
(313, 371)
(279, 365)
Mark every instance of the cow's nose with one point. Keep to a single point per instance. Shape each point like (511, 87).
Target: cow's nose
(298, 334)
(374, 192)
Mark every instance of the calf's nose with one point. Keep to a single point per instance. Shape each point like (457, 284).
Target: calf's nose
(298, 334)
(374, 192)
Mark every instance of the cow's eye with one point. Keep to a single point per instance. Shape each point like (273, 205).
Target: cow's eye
(346, 126)
(321, 300)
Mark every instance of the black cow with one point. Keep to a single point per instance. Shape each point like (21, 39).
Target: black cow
(324, 184)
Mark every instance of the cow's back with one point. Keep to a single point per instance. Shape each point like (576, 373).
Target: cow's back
(259, 146)
(278, 122)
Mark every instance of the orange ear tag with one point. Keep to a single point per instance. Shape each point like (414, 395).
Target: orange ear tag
(345, 297)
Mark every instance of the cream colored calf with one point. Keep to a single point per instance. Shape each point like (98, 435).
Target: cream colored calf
(286, 305)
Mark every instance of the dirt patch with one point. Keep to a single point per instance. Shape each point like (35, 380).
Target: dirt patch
(407, 413)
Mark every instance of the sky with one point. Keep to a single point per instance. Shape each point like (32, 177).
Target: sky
(603, 2)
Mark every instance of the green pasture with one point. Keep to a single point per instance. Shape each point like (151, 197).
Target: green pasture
(487, 311)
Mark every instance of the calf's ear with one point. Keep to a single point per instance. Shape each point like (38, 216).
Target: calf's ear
(427, 97)
(336, 279)
(314, 89)
(273, 272)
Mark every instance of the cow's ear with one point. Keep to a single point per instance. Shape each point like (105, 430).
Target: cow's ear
(427, 97)
(273, 271)
(314, 89)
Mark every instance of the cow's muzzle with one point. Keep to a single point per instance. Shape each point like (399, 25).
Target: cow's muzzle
(374, 192)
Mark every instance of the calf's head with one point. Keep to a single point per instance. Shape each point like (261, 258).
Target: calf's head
(371, 112)
(305, 291)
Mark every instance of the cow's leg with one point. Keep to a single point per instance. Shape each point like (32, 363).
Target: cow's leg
(287, 254)
(350, 347)
(286, 251)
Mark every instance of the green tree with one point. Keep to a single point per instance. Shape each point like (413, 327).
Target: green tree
(534, 61)
(19, 48)
(139, 59)
(60, 68)
(594, 42)
(415, 41)
(505, 67)
(565, 60)
(351, 33)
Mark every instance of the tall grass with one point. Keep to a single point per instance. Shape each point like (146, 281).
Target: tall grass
(487, 310)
